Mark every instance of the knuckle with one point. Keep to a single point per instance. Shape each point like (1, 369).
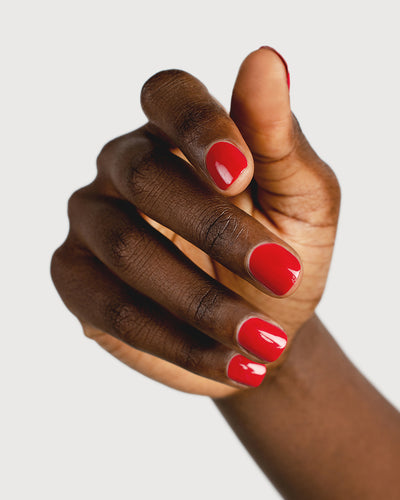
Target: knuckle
(75, 202)
(140, 174)
(63, 269)
(120, 318)
(191, 360)
(117, 152)
(124, 247)
(106, 154)
(204, 305)
(199, 354)
(130, 324)
(120, 250)
(130, 161)
(222, 227)
(56, 265)
(189, 357)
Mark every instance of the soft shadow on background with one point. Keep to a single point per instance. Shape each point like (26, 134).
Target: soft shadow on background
(75, 423)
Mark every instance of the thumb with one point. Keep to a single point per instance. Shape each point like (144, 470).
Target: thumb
(295, 183)
(261, 107)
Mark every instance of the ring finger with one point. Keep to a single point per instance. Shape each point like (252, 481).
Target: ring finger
(149, 263)
(99, 299)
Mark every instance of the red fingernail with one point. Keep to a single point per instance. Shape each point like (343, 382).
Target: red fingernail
(283, 60)
(244, 371)
(225, 162)
(263, 339)
(274, 267)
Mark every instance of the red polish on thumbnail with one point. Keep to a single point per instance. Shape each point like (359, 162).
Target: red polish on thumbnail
(274, 267)
(246, 372)
(225, 162)
(283, 60)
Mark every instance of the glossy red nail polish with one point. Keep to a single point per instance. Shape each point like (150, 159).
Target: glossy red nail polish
(283, 60)
(244, 371)
(225, 162)
(274, 267)
(263, 339)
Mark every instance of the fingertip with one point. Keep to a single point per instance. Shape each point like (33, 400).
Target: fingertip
(245, 372)
(264, 48)
(261, 337)
(229, 166)
(275, 267)
(266, 59)
(261, 88)
(260, 104)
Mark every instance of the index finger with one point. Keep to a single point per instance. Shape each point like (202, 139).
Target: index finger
(181, 110)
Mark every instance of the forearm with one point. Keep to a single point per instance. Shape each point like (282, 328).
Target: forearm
(317, 427)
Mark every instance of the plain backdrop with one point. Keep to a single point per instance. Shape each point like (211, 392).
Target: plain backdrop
(75, 423)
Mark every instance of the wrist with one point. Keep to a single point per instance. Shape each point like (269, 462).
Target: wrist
(294, 363)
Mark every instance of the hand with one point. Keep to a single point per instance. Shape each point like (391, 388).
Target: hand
(183, 320)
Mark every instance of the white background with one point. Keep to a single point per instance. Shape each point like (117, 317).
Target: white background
(75, 423)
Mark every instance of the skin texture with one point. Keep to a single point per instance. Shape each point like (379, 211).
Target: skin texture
(156, 268)
(175, 318)
(318, 429)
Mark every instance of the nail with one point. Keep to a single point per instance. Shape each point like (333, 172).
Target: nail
(225, 162)
(274, 267)
(263, 339)
(244, 371)
(283, 60)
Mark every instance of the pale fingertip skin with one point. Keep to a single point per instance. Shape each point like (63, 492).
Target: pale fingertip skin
(266, 118)
(267, 47)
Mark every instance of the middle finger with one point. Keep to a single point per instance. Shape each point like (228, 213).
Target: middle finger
(165, 188)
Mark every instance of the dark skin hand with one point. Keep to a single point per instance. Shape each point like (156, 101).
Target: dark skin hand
(317, 428)
(158, 267)
(174, 318)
